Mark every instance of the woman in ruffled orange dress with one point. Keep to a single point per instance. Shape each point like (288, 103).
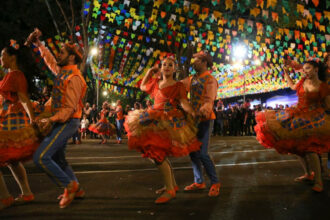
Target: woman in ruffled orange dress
(18, 139)
(103, 127)
(303, 130)
(166, 129)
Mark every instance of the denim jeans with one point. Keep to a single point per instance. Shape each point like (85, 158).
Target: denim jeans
(119, 128)
(202, 157)
(50, 155)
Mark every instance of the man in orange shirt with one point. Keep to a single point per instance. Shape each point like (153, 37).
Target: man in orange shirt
(66, 109)
(203, 90)
(119, 120)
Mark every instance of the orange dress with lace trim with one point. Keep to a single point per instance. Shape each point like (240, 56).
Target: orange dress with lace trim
(165, 129)
(300, 129)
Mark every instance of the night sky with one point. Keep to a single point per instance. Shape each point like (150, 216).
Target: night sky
(18, 18)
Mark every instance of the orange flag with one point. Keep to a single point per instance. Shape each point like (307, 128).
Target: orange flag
(316, 2)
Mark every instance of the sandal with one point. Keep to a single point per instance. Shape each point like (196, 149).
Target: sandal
(195, 186)
(305, 177)
(21, 199)
(5, 203)
(80, 194)
(318, 187)
(214, 190)
(166, 197)
(162, 190)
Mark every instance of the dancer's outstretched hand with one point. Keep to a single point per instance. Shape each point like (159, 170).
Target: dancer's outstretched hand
(34, 38)
(154, 70)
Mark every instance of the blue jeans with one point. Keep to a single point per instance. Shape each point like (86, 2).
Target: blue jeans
(50, 155)
(76, 137)
(202, 156)
(328, 160)
(119, 128)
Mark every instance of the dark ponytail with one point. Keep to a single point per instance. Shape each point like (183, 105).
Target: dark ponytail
(26, 63)
(321, 69)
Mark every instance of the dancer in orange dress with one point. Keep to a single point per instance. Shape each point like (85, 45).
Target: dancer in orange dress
(18, 139)
(103, 126)
(303, 130)
(166, 129)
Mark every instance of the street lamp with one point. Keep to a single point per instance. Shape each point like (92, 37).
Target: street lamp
(238, 66)
(239, 53)
(93, 52)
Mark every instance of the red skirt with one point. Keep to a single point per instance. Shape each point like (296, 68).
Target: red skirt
(17, 145)
(103, 128)
(157, 135)
(293, 131)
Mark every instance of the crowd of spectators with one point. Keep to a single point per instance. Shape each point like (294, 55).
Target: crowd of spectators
(237, 119)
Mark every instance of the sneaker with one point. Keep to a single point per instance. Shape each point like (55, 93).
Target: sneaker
(69, 194)
(195, 186)
(214, 190)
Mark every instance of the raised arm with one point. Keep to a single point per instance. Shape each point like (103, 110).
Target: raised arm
(149, 74)
(45, 53)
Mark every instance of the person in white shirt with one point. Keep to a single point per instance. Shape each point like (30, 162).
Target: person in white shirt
(84, 125)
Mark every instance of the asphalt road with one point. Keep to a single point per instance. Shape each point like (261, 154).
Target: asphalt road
(257, 183)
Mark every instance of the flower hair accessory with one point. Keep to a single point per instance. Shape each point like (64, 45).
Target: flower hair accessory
(315, 59)
(169, 56)
(14, 44)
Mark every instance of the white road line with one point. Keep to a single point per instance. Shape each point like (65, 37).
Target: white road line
(88, 158)
(185, 168)
(123, 157)
(217, 165)
(175, 168)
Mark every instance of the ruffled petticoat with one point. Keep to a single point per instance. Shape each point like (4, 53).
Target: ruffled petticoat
(158, 134)
(294, 130)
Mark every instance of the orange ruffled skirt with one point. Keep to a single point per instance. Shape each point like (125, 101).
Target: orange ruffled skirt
(17, 145)
(158, 135)
(103, 127)
(294, 131)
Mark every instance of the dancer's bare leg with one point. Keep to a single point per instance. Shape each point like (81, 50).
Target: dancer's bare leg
(19, 173)
(161, 190)
(308, 175)
(4, 194)
(316, 166)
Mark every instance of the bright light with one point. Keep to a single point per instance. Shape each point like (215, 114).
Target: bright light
(105, 93)
(239, 51)
(113, 104)
(257, 62)
(94, 51)
(237, 65)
